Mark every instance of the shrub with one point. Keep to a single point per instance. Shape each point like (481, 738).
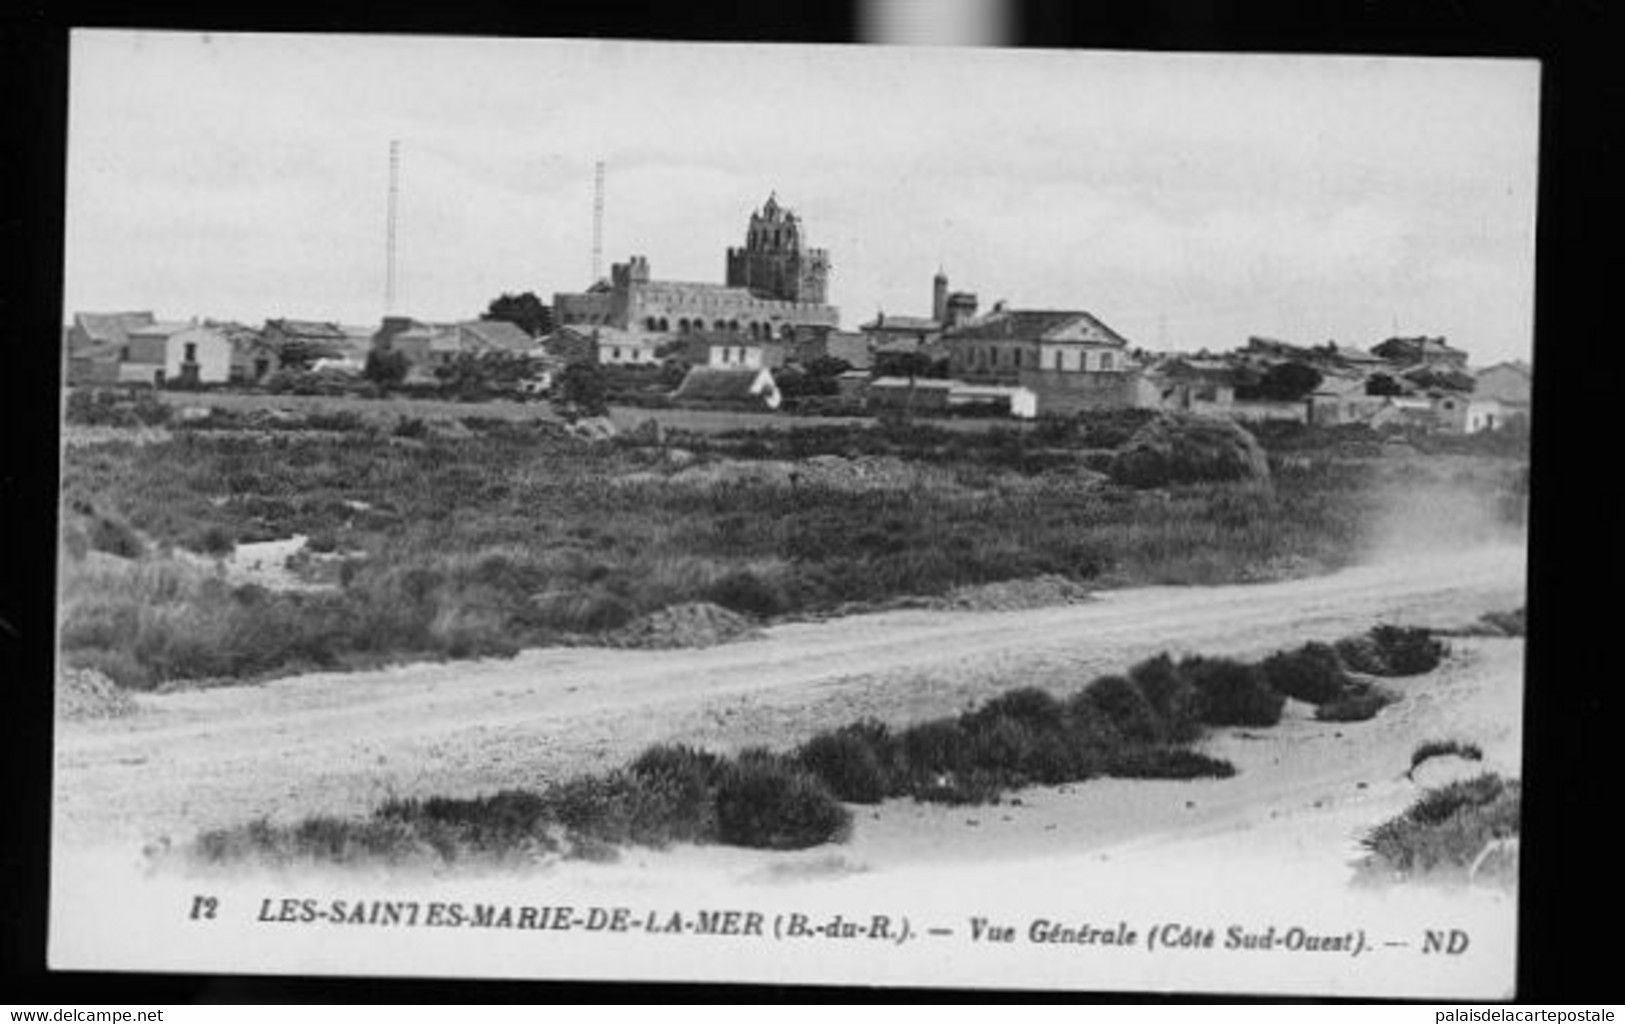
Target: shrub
(1312, 673)
(215, 540)
(621, 808)
(1028, 705)
(122, 667)
(1171, 696)
(1122, 706)
(1389, 650)
(412, 427)
(115, 537)
(1232, 692)
(1444, 748)
(1409, 651)
(745, 592)
(1160, 762)
(934, 747)
(1188, 449)
(1358, 704)
(857, 762)
(322, 542)
(767, 801)
(1447, 828)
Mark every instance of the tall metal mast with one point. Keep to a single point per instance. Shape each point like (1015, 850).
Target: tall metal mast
(389, 243)
(597, 220)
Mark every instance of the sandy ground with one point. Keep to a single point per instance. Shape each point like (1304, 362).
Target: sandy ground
(339, 743)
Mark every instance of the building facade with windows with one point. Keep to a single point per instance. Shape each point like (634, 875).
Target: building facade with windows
(1069, 359)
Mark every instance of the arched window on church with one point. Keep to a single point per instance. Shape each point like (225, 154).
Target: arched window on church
(733, 325)
(664, 325)
(682, 325)
(652, 324)
(787, 332)
(719, 325)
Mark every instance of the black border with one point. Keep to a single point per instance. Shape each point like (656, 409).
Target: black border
(1570, 870)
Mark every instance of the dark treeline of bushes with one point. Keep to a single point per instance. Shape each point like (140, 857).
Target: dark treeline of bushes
(1138, 725)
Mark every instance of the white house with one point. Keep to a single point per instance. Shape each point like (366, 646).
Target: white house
(166, 353)
(199, 353)
(712, 386)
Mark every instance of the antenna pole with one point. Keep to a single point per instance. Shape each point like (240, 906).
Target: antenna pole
(389, 243)
(597, 220)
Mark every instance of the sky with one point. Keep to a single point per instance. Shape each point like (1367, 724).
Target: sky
(1188, 200)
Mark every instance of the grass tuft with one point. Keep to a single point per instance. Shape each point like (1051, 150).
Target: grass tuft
(1447, 829)
(1444, 748)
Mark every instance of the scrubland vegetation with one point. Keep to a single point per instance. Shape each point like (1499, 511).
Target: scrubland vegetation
(1141, 724)
(482, 537)
(1448, 832)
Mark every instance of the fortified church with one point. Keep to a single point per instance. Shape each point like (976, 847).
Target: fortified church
(776, 289)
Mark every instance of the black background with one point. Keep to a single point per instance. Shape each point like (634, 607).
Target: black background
(1568, 936)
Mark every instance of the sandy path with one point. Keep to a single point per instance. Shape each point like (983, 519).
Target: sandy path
(340, 742)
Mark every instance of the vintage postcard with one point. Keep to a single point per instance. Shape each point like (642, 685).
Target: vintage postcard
(802, 514)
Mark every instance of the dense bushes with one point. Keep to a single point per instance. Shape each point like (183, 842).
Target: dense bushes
(860, 763)
(1389, 650)
(1232, 692)
(766, 800)
(1312, 673)
(1189, 449)
(1022, 737)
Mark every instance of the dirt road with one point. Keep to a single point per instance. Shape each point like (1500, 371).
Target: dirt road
(338, 743)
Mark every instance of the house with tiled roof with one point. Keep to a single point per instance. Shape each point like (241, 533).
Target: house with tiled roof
(1070, 359)
(481, 336)
(901, 333)
(96, 344)
(1194, 383)
(428, 346)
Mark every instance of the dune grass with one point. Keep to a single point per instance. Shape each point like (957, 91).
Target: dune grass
(1446, 831)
